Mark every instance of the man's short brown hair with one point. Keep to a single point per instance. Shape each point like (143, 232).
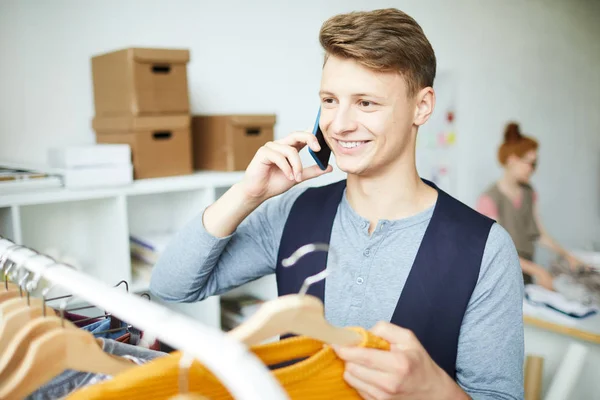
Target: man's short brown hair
(382, 40)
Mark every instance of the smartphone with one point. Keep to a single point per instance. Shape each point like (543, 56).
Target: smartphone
(322, 156)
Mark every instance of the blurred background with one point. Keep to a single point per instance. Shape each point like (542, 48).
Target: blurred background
(534, 62)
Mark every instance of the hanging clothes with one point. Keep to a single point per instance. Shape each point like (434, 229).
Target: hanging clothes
(69, 381)
(318, 376)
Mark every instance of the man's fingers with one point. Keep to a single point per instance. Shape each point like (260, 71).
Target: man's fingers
(292, 157)
(366, 390)
(366, 395)
(380, 360)
(301, 139)
(401, 337)
(270, 156)
(384, 381)
(314, 171)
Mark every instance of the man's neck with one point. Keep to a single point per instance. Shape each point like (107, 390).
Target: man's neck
(395, 194)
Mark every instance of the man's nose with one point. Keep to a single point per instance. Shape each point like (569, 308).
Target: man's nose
(343, 121)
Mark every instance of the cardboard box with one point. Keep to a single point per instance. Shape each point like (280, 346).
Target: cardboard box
(141, 82)
(229, 142)
(160, 146)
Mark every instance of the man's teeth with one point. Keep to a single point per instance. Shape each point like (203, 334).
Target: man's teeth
(349, 145)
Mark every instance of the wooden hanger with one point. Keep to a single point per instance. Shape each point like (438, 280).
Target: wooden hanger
(15, 320)
(55, 351)
(299, 314)
(5, 286)
(10, 290)
(9, 294)
(17, 304)
(19, 344)
(17, 348)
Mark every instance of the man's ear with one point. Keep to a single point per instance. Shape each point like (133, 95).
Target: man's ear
(425, 103)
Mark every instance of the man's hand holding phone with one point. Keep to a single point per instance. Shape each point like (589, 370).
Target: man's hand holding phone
(277, 167)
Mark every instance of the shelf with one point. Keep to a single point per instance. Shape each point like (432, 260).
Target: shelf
(198, 180)
(90, 228)
(92, 233)
(165, 212)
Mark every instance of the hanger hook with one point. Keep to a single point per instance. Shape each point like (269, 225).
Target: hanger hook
(126, 285)
(33, 284)
(146, 295)
(21, 281)
(301, 252)
(9, 250)
(5, 258)
(62, 307)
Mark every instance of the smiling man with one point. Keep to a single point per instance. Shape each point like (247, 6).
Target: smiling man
(440, 282)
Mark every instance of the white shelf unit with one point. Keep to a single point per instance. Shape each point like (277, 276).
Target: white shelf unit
(92, 226)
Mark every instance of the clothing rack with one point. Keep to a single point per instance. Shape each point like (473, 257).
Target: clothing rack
(238, 369)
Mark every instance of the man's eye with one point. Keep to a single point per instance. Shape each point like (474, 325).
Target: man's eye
(328, 101)
(365, 103)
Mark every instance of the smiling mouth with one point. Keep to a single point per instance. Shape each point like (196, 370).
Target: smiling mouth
(351, 145)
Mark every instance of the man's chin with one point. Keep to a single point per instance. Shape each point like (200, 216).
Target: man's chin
(354, 166)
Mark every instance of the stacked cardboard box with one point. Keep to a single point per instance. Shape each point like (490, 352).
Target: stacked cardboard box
(229, 142)
(141, 99)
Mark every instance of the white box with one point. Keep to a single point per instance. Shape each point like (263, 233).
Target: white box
(93, 177)
(89, 156)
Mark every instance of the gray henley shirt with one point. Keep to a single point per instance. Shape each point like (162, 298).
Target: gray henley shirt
(365, 284)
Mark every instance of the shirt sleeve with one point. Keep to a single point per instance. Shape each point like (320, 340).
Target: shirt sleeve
(487, 206)
(491, 343)
(196, 264)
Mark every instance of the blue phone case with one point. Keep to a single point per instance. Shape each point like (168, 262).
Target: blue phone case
(312, 153)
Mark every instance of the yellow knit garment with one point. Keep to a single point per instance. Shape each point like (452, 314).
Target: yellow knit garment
(319, 377)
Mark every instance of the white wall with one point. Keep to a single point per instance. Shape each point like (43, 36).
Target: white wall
(536, 62)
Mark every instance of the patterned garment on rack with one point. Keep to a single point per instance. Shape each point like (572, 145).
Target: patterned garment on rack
(69, 381)
(578, 284)
(319, 376)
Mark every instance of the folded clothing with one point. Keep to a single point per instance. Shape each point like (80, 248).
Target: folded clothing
(580, 284)
(70, 380)
(539, 296)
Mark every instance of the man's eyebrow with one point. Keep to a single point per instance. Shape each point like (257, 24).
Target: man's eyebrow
(328, 93)
(325, 93)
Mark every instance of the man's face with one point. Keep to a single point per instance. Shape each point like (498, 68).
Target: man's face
(366, 117)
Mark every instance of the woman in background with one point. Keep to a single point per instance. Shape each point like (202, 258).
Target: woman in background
(512, 202)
